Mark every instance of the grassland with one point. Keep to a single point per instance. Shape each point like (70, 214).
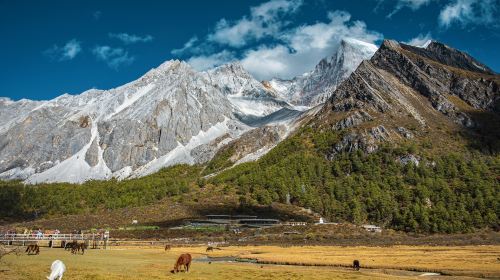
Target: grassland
(154, 263)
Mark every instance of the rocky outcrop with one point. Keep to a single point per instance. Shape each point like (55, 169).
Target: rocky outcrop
(354, 119)
(434, 73)
(403, 85)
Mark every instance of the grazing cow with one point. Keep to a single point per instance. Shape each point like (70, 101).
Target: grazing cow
(355, 265)
(183, 260)
(57, 270)
(168, 247)
(34, 248)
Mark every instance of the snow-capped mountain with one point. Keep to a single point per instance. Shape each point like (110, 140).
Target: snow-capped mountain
(170, 115)
(173, 114)
(314, 87)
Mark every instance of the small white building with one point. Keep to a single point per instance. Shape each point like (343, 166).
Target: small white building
(322, 221)
(372, 228)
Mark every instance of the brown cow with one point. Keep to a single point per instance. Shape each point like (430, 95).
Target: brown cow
(168, 247)
(183, 260)
(33, 249)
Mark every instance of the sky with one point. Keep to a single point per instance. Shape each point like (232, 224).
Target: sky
(49, 48)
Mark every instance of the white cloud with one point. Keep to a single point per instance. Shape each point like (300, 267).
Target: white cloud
(412, 4)
(114, 57)
(131, 38)
(465, 12)
(188, 45)
(303, 47)
(264, 20)
(268, 62)
(204, 62)
(420, 40)
(277, 48)
(67, 52)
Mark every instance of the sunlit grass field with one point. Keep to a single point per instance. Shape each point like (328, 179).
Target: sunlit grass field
(155, 263)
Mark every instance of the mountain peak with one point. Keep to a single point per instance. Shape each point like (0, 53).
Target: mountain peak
(6, 100)
(447, 55)
(348, 41)
(391, 44)
(233, 67)
(426, 44)
(170, 65)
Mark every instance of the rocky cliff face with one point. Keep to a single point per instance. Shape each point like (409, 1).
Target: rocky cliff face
(434, 91)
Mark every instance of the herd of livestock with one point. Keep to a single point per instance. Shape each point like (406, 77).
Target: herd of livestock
(74, 246)
(182, 264)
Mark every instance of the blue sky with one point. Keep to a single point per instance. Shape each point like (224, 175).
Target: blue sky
(53, 47)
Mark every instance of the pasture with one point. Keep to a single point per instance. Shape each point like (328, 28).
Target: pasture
(311, 262)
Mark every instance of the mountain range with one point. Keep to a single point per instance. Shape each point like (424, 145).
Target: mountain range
(172, 114)
(175, 114)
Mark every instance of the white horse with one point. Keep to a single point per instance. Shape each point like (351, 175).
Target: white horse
(57, 270)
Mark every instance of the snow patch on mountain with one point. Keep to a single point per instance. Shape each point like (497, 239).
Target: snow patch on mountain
(131, 99)
(75, 169)
(182, 153)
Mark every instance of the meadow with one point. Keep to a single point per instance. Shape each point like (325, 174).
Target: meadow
(311, 262)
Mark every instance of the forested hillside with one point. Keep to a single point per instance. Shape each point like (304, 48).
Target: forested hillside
(443, 193)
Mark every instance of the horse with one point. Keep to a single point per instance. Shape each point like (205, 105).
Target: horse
(69, 245)
(355, 265)
(33, 248)
(57, 270)
(77, 247)
(168, 247)
(183, 260)
(211, 249)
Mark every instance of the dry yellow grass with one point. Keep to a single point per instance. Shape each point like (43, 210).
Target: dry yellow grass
(456, 260)
(154, 263)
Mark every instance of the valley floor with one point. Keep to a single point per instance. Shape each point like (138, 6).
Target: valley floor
(396, 262)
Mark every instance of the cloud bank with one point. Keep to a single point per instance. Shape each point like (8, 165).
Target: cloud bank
(269, 46)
